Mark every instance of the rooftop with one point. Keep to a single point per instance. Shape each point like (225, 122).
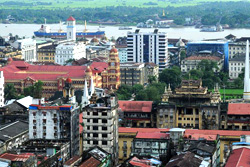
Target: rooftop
(239, 158)
(152, 135)
(145, 130)
(135, 106)
(12, 130)
(187, 159)
(215, 132)
(239, 57)
(215, 58)
(208, 42)
(238, 109)
(16, 157)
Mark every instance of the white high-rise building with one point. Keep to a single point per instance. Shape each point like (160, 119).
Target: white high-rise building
(1, 89)
(148, 47)
(69, 50)
(71, 28)
(246, 94)
(27, 47)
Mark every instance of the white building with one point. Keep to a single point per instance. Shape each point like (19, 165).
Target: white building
(1, 89)
(122, 53)
(236, 65)
(71, 28)
(28, 49)
(69, 50)
(148, 47)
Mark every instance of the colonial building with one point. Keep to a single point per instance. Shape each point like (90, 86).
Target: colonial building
(28, 49)
(100, 124)
(153, 144)
(148, 47)
(23, 75)
(51, 122)
(191, 105)
(192, 62)
(46, 53)
(68, 51)
(136, 113)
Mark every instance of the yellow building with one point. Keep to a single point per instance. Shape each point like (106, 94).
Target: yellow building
(191, 106)
(126, 137)
(46, 53)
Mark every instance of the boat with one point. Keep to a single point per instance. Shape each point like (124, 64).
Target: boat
(101, 26)
(45, 31)
(163, 26)
(143, 25)
(125, 28)
(209, 29)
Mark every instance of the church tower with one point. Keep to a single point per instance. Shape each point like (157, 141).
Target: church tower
(113, 70)
(71, 29)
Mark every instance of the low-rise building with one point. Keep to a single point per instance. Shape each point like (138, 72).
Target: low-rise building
(68, 51)
(238, 157)
(22, 160)
(13, 135)
(192, 62)
(136, 113)
(154, 144)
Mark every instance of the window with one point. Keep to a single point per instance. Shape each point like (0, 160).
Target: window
(104, 121)
(95, 134)
(95, 142)
(104, 135)
(95, 127)
(104, 128)
(88, 142)
(95, 113)
(88, 127)
(104, 143)
(95, 120)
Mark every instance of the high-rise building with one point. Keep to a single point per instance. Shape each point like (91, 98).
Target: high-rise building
(1, 89)
(71, 28)
(100, 125)
(148, 47)
(52, 122)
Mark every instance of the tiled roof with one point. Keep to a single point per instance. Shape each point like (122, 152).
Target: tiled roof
(91, 162)
(239, 158)
(238, 109)
(145, 130)
(135, 106)
(152, 135)
(47, 72)
(16, 157)
(219, 132)
(203, 58)
(187, 159)
(200, 136)
(72, 160)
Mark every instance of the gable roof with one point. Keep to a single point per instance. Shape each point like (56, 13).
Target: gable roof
(239, 158)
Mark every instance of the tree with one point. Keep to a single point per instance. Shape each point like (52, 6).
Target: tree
(152, 79)
(194, 74)
(238, 83)
(124, 92)
(183, 55)
(137, 88)
(38, 88)
(171, 76)
(10, 92)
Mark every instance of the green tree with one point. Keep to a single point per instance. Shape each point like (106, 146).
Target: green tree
(171, 76)
(137, 88)
(38, 88)
(10, 92)
(124, 92)
(183, 55)
(194, 74)
(152, 79)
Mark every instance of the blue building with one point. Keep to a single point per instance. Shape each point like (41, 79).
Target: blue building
(218, 48)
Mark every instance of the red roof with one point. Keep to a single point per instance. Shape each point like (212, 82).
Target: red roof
(16, 157)
(238, 109)
(152, 135)
(91, 162)
(200, 136)
(138, 162)
(239, 158)
(71, 19)
(19, 70)
(135, 106)
(145, 130)
(72, 160)
(219, 132)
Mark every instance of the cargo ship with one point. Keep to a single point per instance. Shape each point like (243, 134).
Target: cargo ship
(45, 31)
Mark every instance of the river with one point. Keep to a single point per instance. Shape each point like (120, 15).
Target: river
(189, 33)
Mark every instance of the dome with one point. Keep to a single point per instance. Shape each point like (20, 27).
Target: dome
(88, 69)
(10, 59)
(94, 40)
(69, 80)
(113, 50)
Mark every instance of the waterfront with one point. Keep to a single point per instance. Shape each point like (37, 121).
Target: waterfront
(189, 33)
